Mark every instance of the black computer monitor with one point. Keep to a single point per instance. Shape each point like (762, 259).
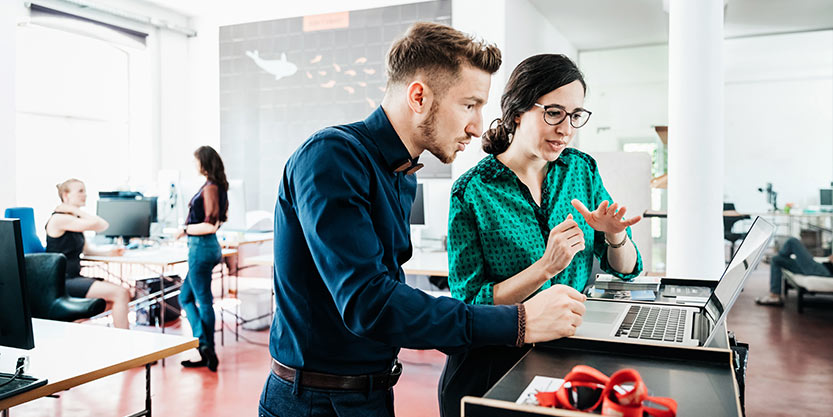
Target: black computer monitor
(826, 197)
(131, 195)
(418, 208)
(127, 218)
(15, 316)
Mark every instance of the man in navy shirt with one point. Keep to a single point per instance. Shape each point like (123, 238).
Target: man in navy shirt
(342, 234)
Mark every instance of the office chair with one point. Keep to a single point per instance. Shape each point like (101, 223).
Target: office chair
(31, 242)
(728, 223)
(46, 285)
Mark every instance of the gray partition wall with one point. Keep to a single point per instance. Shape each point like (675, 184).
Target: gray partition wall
(282, 80)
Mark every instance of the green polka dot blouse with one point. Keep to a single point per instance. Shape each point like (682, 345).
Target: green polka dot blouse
(496, 230)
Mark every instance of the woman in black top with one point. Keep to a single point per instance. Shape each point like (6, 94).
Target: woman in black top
(65, 234)
(208, 210)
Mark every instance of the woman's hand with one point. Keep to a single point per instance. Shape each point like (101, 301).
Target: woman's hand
(607, 219)
(564, 242)
(181, 233)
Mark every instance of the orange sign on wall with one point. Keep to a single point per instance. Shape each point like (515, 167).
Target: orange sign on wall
(326, 21)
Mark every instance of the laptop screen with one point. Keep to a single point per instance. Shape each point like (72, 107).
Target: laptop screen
(743, 262)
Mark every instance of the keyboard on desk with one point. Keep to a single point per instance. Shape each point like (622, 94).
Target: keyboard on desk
(653, 323)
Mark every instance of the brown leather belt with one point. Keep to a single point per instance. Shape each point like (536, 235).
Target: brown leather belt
(382, 381)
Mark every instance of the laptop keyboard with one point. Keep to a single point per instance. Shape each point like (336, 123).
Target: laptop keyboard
(653, 323)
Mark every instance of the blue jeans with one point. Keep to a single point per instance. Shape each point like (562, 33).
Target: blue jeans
(281, 398)
(195, 297)
(802, 264)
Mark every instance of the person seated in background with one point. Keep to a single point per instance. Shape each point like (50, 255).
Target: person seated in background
(65, 234)
(803, 263)
(511, 230)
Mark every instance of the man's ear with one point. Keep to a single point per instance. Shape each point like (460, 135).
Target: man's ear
(419, 97)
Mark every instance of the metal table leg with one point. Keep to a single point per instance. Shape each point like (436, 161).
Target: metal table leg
(147, 411)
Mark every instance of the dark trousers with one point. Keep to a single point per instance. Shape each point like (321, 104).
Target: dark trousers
(472, 373)
(802, 264)
(195, 296)
(282, 398)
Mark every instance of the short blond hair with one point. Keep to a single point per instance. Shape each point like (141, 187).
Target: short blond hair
(63, 187)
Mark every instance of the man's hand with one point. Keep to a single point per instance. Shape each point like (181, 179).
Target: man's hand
(564, 242)
(607, 219)
(553, 313)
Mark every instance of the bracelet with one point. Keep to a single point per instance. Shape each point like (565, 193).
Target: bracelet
(521, 325)
(617, 245)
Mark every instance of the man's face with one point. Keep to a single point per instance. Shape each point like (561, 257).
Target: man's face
(456, 115)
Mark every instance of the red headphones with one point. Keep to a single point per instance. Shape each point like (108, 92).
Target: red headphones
(585, 388)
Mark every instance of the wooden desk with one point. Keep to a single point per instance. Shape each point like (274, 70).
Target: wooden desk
(434, 263)
(71, 354)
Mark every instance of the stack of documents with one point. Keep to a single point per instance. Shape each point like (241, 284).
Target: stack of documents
(641, 283)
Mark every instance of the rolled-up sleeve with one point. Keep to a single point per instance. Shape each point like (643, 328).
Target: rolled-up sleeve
(333, 204)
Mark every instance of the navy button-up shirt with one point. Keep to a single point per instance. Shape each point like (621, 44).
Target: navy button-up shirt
(341, 237)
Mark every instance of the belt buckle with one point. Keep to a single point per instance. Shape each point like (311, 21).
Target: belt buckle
(395, 373)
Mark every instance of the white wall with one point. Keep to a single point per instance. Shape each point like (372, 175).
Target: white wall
(166, 127)
(9, 13)
(779, 111)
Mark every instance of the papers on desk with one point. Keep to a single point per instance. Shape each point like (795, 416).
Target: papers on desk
(640, 283)
(645, 295)
(538, 384)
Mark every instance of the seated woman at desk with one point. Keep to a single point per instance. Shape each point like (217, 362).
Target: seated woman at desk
(512, 231)
(208, 209)
(65, 234)
(803, 264)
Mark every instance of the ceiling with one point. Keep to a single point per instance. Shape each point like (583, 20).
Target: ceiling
(604, 24)
(643, 22)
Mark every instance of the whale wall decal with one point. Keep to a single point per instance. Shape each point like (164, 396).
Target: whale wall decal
(280, 68)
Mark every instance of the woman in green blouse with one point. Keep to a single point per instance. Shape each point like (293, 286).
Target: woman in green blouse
(518, 220)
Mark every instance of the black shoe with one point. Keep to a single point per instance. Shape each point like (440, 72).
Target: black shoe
(194, 364)
(197, 364)
(210, 358)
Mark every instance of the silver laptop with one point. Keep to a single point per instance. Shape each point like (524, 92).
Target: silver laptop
(678, 325)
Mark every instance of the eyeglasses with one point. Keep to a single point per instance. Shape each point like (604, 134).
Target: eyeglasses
(555, 114)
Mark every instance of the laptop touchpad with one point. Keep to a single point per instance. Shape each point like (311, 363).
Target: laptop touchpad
(599, 317)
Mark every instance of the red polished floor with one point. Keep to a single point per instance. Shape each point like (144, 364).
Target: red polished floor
(790, 372)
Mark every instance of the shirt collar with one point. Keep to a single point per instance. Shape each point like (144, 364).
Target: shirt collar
(495, 169)
(390, 145)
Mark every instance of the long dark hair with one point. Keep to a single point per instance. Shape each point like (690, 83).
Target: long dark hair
(211, 166)
(534, 77)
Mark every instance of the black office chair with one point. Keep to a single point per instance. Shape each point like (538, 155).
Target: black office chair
(728, 223)
(46, 286)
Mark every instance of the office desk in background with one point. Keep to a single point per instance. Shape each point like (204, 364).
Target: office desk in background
(159, 260)
(431, 263)
(71, 354)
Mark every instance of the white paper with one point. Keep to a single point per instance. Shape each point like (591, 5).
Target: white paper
(538, 384)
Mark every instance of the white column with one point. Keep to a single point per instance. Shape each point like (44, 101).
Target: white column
(695, 139)
(9, 14)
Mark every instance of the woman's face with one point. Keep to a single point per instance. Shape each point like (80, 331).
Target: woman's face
(77, 194)
(537, 138)
(198, 166)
